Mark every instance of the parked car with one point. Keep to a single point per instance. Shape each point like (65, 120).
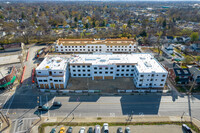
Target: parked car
(43, 108)
(82, 130)
(119, 130)
(127, 130)
(97, 129)
(69, 130)
(90, 130)
(57, 103)
(62, 130)
(186, 128)
(105, 128)
(53, 130)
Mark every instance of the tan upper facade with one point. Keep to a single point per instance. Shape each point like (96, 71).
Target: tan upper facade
(69, 42)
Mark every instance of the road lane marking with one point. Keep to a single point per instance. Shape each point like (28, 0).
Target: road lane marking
(10, 104)
(47, 106)
(53, 99)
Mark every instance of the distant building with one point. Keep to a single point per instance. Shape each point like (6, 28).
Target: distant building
(93, 45)
(7, 76)
(12, 47)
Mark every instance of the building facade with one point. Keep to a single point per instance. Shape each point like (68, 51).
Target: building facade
(53, 72)
(143, 68)
(92, 45)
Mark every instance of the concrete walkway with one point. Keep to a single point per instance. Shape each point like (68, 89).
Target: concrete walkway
(125, 119)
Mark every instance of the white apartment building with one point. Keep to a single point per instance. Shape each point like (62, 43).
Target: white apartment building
(92, 45)
(144, 68)
(53, 72)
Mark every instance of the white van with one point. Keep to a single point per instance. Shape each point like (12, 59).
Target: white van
(105, 128)
(97, 129)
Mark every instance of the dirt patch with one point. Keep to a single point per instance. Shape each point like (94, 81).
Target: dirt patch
(106, 86)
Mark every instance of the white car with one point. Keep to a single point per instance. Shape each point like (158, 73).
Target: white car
(97, 129)
(82, 130)
(105, 128)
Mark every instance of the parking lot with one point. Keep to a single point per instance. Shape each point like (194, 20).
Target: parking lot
(134, 129)
(106, 86)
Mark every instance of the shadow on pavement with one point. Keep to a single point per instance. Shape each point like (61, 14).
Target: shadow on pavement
(140, 104)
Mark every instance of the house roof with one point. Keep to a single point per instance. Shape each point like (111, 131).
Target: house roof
(182, 72)
(195, 71)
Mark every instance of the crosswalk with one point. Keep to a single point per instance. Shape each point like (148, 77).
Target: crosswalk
(23, 125)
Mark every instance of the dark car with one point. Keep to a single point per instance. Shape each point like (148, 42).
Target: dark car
(119, 130)
(90, 130)
(69, 130)
(53, 130)
(43, 108)
(127, 130)
(186, 128)
(57, 104)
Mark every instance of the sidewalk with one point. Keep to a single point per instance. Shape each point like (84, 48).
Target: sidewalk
(123, 119)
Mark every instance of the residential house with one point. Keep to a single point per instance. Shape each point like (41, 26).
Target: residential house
(195, 74)
(180, 75)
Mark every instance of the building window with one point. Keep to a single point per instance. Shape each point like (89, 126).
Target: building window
(39, 72)
(127, 70)
(162, 79)
(111, 68)
(78, 66)
(140, 84)
(152, 75)
(141, 75)
(161, 84)
(55, 80)
(83, 66)
(117, 75)
(122, 70)
(131, 74)
(60, 72)
(74, 75)
(127, 66)
(117, 70)
(141, 79)
(100, 68)
(88, 74)
(122, 75)
(132, 70)
(60, 80)
(50, 79)
(40, 80)
(88, 66)
(95, 68)
(84, 74)
(79, 70)
(111, 72)
(106, 68)
(95, 72)
(83, 70)
(100, 72)
(74, 70)
(151, 79)
(88, 70)
(79, 74)
(163, 76)
(106, 72)
(122, 65)
(118, 66)
(126, 74)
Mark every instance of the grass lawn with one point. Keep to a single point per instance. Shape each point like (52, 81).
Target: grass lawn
(155, 50)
